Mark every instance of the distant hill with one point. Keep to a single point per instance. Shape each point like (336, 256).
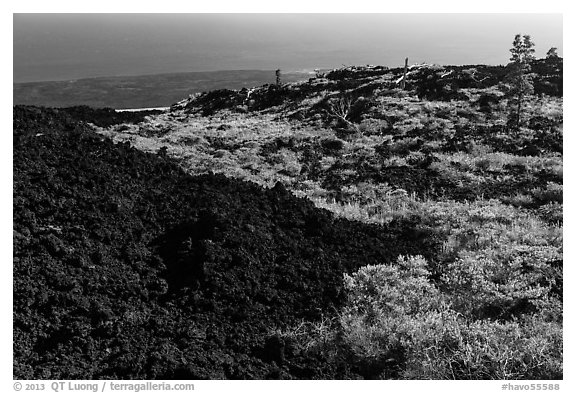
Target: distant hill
(140, 91)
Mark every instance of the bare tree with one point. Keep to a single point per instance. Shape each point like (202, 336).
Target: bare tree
(340, 109)
(403, 83)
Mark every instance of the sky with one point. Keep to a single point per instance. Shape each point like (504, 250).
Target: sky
(72, 46)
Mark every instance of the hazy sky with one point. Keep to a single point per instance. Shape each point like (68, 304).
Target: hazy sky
(69, 46)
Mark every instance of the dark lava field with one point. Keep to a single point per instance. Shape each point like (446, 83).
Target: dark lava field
(125, 267)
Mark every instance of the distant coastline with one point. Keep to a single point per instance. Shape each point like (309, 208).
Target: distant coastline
(142, 109)
(143, 91)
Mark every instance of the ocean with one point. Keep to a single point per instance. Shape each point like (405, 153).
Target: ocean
(62, 47)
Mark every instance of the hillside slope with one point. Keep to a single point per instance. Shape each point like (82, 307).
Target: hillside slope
(439, 254)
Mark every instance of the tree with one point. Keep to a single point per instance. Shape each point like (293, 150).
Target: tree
(341, 108)
(519, 78)
(552, 53)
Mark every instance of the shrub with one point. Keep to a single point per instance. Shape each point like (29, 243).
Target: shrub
(483, 164)
(552, 213)
(382, 300)
(389, 289)
(552, 193)
(484, 287)
(446, 346)
(396, 320)
(332, 144)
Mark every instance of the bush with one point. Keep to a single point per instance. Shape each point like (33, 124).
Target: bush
(332, 144)
(383, 301)
(397, 322)
(552, 193)
(446, 346)
(552, 213)
(485, 287)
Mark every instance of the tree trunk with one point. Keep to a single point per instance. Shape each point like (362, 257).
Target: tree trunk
(403, 84)
(518, 109)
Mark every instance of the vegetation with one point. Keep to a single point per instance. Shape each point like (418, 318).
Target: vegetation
(519, 76)
(397, 315)
(552, 53)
